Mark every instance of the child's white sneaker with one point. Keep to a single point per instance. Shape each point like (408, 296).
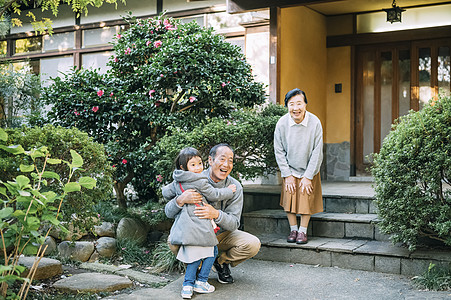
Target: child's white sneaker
(187, 292)
(203, 287)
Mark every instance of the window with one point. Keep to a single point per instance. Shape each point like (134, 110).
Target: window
(3, 48)
(59, 41)
(99, 36)
(27, 45)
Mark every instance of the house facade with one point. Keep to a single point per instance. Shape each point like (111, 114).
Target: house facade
(360, 72)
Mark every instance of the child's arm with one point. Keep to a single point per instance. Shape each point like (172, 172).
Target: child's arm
(168, 191)
(215, 194)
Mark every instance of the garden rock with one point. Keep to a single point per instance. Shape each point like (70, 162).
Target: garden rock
(94, 257)
(80, 251)
(132, 229)
(47, 267)
(106, 246)
(51, 245)
(104, 229)
(92, 283)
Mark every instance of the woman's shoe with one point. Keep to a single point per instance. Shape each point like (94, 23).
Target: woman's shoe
(301, 238)
(292, 237)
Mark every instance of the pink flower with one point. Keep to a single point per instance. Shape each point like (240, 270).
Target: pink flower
(111, 95)
(124, 161)
(160, 178)
(192, 99)
(151, 31)
(148, 43)
(161, 75)
(76, 113)
(118, 36)
(114, 166)
(98, 215)
(223, 84)
(115, 59)
(95, 108)
(128, 50)
(166, 22)
(157, 44)
(100, 93)
(151, 92)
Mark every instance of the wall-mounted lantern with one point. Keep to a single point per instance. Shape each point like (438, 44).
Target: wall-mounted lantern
(394, 13)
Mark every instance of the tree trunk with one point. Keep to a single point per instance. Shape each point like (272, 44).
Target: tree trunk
(119, 187)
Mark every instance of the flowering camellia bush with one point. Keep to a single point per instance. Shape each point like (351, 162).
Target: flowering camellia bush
(163, 74)
(413, 176)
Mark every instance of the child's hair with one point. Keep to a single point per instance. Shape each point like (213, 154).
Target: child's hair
(184, 156)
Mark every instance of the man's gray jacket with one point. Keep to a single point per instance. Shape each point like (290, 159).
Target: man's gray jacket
(229, 208)
(188, 229)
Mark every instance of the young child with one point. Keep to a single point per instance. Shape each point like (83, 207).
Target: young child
(196, 236)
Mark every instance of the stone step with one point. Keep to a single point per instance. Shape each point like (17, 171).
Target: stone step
(332, 225)
(338, 197)
(376, 256)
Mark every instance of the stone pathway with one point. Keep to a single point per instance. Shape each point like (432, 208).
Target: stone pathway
(47, 267)
(92, 283)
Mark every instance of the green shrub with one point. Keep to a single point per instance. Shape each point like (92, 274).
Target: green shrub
(411, 174)
(32, 201)
(59, 141)
(435, 278)
(249, 132)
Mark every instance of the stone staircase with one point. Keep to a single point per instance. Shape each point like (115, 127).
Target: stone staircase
(345, 235)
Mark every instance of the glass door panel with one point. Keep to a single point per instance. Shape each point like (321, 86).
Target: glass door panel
(443, 71)
(386, 93)
(368, 61)
(404, 82)
(424, 70)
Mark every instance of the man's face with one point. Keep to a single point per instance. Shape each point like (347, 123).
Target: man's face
(222, 164)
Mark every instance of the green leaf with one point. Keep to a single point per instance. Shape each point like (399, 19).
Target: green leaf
(26, 168)
(87, 182)
(15, 149)
(22, 181)
(6, 212)
(53, 161)
(50, 196)
(24, 193)
(3, 135)
(48, 174)
(72, 187)
(30, 250)
(77, 160)
(3, 191)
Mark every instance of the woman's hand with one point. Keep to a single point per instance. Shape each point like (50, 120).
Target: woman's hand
(290, 184)
(206, 212)
(306, 185)
(189, 197)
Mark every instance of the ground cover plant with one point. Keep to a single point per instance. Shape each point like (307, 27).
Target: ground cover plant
(163, 74)
(412, 173)
(437, 278)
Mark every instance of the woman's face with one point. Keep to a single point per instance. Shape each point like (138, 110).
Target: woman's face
(296, 108)
(195, 165)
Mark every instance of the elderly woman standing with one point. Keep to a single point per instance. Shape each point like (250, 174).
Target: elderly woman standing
(298, 147)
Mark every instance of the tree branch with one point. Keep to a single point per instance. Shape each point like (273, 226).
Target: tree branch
(176, 101)
(5, 8)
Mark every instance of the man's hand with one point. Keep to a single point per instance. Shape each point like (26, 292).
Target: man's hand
(306, 185)
(189, 197)
(290, 184)
(206, 212)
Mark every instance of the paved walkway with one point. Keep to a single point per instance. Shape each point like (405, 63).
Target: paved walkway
(256, 279)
